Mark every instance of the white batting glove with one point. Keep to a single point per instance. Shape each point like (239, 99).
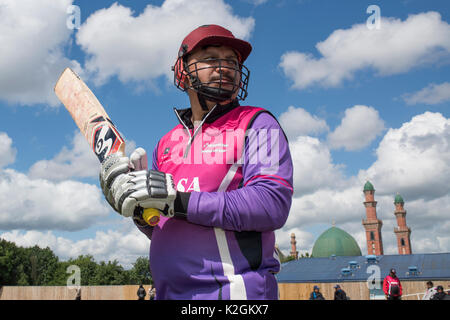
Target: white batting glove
(139, 160)
(144, 189)
(113, 166)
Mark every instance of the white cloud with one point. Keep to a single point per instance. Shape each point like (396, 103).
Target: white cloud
(299, 122)
(256, 2)
(77, 162)
(304, 239)
(359, 127)
(313, 167)
(428, 220)
(431, 94)
(33, 34)
(40, 204)
(124, 245)
(7, 152)
(144, 47)
(413, 160)
(32, 209)
(397, 47)
(327, 205)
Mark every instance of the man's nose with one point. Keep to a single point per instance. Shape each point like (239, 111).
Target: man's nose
(225, 71)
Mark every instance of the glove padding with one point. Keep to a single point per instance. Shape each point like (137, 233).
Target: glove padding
(112, 166)
(144, 189)
(128, 185)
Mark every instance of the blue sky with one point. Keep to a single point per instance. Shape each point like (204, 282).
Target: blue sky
(357, 103)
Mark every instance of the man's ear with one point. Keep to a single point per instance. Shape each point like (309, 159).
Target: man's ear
(186, 78)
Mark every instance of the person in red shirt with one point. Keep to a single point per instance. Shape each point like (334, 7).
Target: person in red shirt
(392, 286)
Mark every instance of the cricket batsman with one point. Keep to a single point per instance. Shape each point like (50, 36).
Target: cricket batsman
(221, 178)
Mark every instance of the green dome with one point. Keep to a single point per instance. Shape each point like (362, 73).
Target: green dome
(335, 241)
(398, 199)
(368, 186)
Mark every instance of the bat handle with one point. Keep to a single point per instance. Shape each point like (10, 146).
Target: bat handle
(151, 216)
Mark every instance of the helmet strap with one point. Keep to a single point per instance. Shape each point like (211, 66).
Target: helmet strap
(195, 82)
(202, 101)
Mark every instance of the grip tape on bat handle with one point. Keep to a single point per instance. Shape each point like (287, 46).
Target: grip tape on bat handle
(151, 216)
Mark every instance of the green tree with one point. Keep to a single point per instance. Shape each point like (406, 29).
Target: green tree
(60, 274)
(23, 279)
(140, 273)
(110, 273)
(38, 266)
(306, 255)
(12, 264)
(41, 265)
(287, 259)
(88, 268)
(8, 255)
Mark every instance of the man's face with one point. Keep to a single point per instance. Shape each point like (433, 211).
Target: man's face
(205, 65)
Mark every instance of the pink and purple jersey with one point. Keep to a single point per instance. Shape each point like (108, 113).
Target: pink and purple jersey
(235, 167)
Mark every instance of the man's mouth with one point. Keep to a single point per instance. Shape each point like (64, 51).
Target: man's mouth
(226, 81)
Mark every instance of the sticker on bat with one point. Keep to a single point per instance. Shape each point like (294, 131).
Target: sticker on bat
(104, 140)
(99, 119)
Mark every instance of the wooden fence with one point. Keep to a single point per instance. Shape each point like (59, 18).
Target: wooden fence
(288, 291)
(302, 291)
(355, 290)
(64, 293)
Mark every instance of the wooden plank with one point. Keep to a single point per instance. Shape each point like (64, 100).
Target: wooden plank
(288, 291)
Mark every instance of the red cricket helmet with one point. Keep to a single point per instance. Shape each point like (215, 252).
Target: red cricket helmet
(211, 35)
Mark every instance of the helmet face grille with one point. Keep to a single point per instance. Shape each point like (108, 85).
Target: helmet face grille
(220, 88)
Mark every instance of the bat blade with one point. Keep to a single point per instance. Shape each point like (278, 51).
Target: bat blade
(93, 121)
(89, 115)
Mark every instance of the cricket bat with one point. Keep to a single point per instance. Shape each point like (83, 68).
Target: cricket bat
(94, 123)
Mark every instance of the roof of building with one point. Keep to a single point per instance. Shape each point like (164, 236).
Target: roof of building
(398, 199)
(431, 266)
(335, 241)
(368, 186)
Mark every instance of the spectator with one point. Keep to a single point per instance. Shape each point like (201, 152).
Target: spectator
(78, 296)
(152, 293)
(430, 291)
(392, 287)
(141, 293)
(440, 294)
(339, 294)
(316, 294)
